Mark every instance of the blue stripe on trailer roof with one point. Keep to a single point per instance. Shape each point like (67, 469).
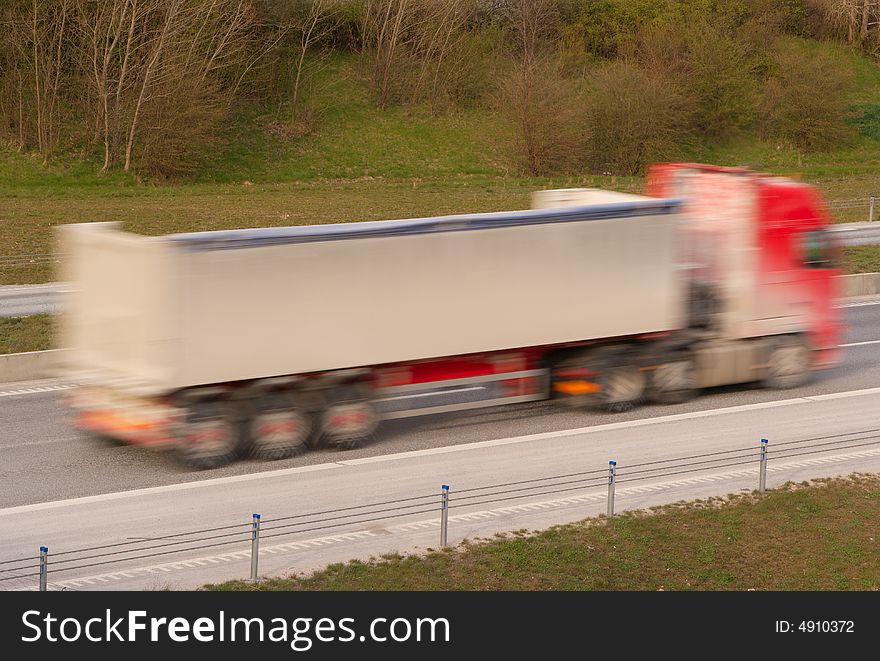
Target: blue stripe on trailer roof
(268, 236)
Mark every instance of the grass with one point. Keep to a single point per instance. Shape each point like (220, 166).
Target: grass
(862, 259)
(821, 536)
(20, 334)
(356, 139)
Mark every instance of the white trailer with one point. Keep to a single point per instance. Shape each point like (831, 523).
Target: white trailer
(158, 314)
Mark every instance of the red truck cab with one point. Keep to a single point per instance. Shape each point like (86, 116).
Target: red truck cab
(781, 233)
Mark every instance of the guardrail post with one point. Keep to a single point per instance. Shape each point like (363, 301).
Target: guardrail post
(444, 513)
(255, 546)
(762, 474)
(871, 209)
(44, 567)
(612, 475)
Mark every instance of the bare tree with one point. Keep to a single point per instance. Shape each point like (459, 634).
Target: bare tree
(102, 26)
(532, 22)
(855, 17)
(546, 115)
(385, 24)
(160, 40)
(437, 33)
(140, 53)
(317, 23)
(414, 46)
(39, 31)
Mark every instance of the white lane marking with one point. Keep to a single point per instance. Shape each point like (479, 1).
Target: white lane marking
(464, 447)
(858, 304)
(860, 344)
(839, 395)
(180, 565)
(10, 288)
(63, 439)
(36, 390)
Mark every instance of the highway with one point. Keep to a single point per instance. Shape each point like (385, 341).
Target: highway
(67, 491)
(24, 300)
(857, 234)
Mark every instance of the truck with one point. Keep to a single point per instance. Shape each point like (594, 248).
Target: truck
(267, 342)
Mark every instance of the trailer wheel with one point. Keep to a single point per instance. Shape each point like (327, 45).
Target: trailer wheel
(208, 443)
(673, 382)
(349, 425)
(278, 434)
(789, 364)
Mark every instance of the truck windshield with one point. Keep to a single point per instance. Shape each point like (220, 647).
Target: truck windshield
(819, 250)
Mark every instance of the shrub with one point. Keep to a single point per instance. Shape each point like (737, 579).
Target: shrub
(867, 119)
(635, 117)
(805, 99)
(545, 112)
(712, 65)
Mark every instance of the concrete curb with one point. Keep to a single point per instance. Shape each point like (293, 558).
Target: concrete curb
(861, 284)
(30, 366)
(45, 364)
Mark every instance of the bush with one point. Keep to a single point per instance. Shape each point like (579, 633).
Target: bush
(184, 133)
(713, 66)
(545, 112)
(721, 80)
(635, 117)
(605, 28)
(471, 72)
(805, 99)
(867, 119)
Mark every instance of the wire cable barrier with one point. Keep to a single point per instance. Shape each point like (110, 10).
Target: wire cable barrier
(172, 543)
(26, 260)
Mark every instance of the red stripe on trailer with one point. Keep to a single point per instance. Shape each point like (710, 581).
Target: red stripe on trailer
(458, 367)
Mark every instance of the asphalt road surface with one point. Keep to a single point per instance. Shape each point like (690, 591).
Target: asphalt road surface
(65, 490)
(857, 234)
(24, 300)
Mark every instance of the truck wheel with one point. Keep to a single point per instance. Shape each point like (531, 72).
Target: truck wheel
(623, 388)
(279, 434)
(598, 379)
(349, 425)
(789, 364)
(673, 382)
(208, 443)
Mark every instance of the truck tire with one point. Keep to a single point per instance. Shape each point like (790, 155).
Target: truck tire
(674, 381)
(789, 363)
(348, 425)
(623, 388)
(208, 443)
(348, 420)
(621, 384)
(278, 434)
